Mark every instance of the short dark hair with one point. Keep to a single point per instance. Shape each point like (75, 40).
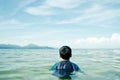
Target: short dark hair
(65, 52)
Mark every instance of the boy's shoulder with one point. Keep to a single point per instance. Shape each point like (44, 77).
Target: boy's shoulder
(75, 66)
(54, 66)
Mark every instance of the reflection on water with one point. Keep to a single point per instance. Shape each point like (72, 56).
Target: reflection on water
(34, 64)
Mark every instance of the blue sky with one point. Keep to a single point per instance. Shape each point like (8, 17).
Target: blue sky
(77, 23)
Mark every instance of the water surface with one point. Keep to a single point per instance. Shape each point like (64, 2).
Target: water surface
(34, 64)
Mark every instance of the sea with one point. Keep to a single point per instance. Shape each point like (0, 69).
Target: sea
(35, 64)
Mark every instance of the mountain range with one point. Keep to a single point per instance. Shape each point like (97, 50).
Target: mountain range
(29, 46)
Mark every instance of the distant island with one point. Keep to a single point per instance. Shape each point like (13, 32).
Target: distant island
(30, 46)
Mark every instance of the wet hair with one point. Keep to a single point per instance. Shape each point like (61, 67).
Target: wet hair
(65, 52)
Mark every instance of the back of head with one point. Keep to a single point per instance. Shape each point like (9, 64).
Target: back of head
(65, 52)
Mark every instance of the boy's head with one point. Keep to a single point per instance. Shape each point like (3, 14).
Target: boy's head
(65, 52)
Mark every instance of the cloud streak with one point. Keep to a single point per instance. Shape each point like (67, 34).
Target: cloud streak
(95, 13)
(49, 7)
(65, 4)
(40, 10)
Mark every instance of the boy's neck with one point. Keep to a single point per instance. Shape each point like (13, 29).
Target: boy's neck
(65, 59)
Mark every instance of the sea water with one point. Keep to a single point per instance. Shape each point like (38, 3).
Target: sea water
(34, 64)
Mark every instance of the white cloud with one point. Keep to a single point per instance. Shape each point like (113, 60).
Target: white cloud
(48, 7)
(40, 10)
(115, 38)
(94, 14)
(99, 42)
(66, 4)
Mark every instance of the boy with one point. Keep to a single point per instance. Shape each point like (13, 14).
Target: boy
(63, 69)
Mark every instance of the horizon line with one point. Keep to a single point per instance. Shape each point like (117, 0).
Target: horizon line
(56, 47)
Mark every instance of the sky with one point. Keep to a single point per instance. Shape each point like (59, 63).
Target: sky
(76, 23)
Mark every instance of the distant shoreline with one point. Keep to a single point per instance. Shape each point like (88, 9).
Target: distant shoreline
(30, 46)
